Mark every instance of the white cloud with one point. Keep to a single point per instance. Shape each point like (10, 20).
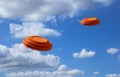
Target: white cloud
(112, 75)
(20, 56)
(61, 71)
(83, 54)
(112, 50)
(96, 73)
(34, 10)
(104, 2)
(32, 28)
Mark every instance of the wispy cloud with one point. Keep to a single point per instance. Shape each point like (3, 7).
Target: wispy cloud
(112, 50)
(96, 73)
(105, 2)
(61, 71)
(83, 54)
(112, 75)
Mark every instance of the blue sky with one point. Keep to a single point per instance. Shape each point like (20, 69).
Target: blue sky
(78, 50)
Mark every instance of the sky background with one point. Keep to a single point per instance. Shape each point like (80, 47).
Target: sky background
(78, 50)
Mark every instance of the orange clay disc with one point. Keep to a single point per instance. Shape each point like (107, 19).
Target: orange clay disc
(41, 48)
(37, 40)
(37, 43)
(90, 21)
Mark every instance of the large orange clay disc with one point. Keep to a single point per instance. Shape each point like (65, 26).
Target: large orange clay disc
(90, 21)
(37, 43)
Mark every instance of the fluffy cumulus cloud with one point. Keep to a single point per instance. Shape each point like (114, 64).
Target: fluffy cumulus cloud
(41, 9)
(83, 54)
(32, 28)
(112, 50)
(20, 56)
(112, 75)
(61, 71)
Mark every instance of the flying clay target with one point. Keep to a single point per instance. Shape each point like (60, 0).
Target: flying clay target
(90, 21)
(37, 43)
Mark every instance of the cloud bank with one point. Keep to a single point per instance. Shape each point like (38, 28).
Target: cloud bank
(19, 56)
(41, 9)
(61, 71)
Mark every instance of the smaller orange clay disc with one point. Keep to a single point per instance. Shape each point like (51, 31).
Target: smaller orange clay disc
(90, 21)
